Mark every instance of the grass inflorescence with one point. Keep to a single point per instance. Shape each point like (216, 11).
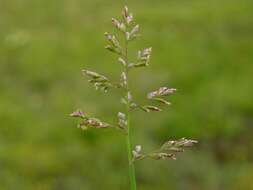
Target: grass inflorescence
(127, 28)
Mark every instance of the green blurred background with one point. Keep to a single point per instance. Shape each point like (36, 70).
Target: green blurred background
(204, 48)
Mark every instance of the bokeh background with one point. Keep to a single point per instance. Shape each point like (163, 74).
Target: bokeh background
(204, 48)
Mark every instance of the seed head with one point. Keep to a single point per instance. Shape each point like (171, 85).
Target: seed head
(130, 31)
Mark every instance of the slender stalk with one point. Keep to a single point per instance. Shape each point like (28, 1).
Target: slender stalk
(131, 164)
(128, 135)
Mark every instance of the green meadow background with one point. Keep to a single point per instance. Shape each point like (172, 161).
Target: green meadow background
(204, 48)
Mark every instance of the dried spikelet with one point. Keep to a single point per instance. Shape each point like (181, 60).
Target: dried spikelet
(137, 155)
(122, 120)
(143, 58)
(113, 49)
(119, 25)
(175, 149)
(162, 91)
(127, 35)
(135, 29)
(129, 96)
(127, 17)
(122, 61)
(162, 156)
(138, 148)
(93, 123)
(99, 81)
(149, 108)
(178, 145)
(112, 39)
(143, 64)
(91, 74)
(133, 34)
(161, 100)
(144, 54)
(185, 142)
(78, 113)
(123, 79)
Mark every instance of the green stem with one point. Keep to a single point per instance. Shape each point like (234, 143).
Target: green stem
(129, 151)
(128, 136)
